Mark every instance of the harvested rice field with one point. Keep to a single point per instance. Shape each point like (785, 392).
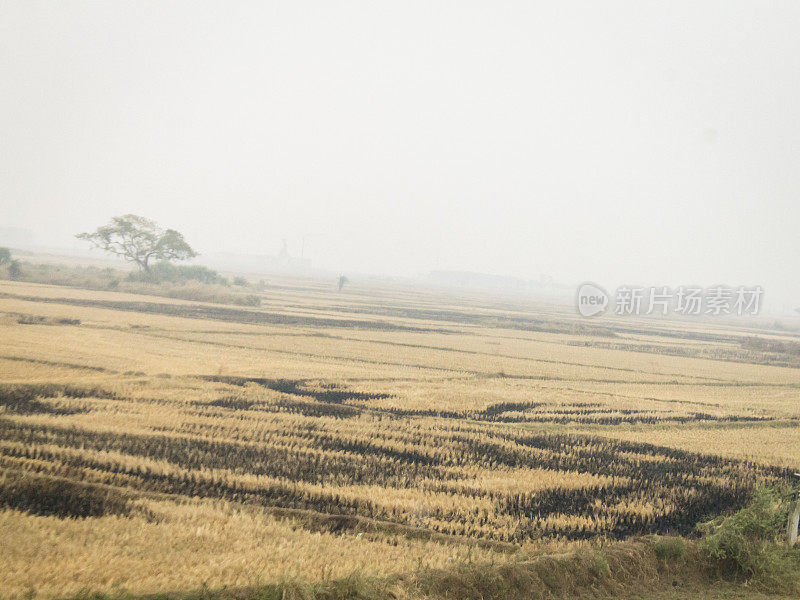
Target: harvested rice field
(151, 444)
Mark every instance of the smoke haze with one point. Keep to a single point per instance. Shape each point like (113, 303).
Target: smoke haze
(617, 142)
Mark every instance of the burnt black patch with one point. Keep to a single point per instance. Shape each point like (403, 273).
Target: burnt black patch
(317, 409)
(286, 405)
(26, 319)
(296, 387)
(682, 487)
(583, 413)
(62, 498)
(25, 399)
(231, 402)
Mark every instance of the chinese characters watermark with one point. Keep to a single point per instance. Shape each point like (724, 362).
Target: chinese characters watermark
(719, 300)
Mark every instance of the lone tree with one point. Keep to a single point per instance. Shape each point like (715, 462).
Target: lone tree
(139, 240)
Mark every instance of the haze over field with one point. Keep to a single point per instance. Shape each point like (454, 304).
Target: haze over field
(520, 139)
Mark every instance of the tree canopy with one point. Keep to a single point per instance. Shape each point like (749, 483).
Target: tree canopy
(139, 240)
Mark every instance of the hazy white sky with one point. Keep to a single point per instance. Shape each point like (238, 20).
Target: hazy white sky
(637, 142)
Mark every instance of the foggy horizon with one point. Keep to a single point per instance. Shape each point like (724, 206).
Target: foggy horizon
(521, 140)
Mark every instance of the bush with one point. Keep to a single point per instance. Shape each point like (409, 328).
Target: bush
(750, 543)
(192, 290)
(240, 281)
(92, 278)
(14, 270)
(190, 283)
(248, 300)
(670, 548)
(600, 567)
(167, 272)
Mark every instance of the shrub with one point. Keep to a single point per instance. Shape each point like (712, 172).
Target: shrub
(248, 300)
(670, 548)
(74, 276)
(14, 270)
(183, 282)
(192, 290)
(600, 567)
(750, 543)
(167, 272)
(240, 281)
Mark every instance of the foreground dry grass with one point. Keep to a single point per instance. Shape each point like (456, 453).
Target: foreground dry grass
(181, 546)
(378, 430)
